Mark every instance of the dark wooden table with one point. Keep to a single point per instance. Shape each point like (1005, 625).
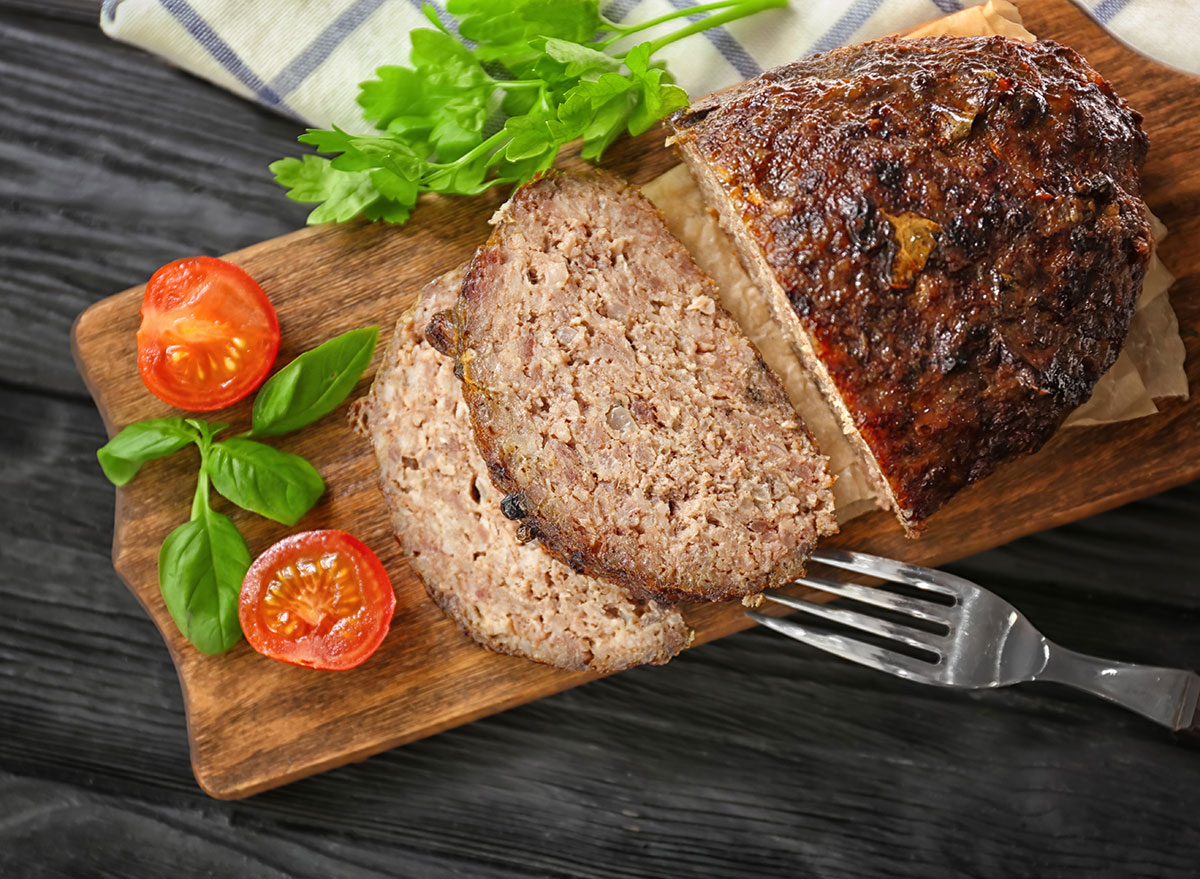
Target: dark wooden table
(753, 756)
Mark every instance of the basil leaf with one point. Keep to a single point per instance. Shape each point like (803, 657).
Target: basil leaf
(313, 384)
(123, 455)
(264, 480)
(200, 570)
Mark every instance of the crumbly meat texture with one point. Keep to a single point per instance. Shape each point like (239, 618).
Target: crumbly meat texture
(631, 425)
(951, 228)
(509, 597)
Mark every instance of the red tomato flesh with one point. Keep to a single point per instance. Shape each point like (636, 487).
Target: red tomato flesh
(208, 336)
(319, 599)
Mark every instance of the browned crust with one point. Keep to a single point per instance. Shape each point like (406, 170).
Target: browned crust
(591, 553)
(1023, 163)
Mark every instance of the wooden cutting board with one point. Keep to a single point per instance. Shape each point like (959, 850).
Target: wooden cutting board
(255, 724)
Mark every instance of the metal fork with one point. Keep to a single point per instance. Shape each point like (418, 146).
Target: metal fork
(988, 642)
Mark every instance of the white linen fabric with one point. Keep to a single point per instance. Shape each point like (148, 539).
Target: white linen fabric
(305, 58)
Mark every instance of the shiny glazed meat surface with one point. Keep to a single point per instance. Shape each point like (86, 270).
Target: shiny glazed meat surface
(957, 224)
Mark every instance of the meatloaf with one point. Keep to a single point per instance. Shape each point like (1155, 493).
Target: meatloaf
(510, 597)
(630, 425)
(951, 231)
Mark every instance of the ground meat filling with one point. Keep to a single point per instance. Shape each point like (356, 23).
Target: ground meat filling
(955, 226)
(446, 515)
(630, 425)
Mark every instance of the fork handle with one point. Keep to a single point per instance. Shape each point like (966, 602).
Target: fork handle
(1169, 696)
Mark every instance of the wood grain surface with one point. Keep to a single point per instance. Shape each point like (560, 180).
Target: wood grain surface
(255, 724)
(751, 757)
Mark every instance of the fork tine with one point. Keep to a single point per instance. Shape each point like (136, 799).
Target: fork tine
(862, 622)
(856, 651)
(915, 607)
(890, 569)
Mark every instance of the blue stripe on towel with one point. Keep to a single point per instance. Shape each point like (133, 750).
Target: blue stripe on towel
(854, 18)
(315, 53)
(618, 9)
(109, 8)
(731, 50)
(947, 6)
(203, 33)
(1108, 10)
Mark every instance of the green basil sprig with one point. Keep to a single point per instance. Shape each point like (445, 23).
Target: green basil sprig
(264, 480)
(143, 441)
(200, 570)
(313, 384)
(202, 562)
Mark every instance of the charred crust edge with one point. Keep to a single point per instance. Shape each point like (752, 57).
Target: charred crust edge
(512, 506)
(441, 334)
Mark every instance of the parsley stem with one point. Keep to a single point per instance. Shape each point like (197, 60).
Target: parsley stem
(740, 11)
(476, 151)
(622, 30)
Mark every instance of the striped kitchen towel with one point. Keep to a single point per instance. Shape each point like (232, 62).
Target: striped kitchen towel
(305, 58)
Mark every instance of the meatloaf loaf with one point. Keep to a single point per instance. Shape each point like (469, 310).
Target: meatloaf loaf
(951, 231)
(510, 597)
(631, 426)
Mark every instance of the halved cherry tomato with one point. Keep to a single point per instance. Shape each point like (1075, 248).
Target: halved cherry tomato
(319, 599)
(208, 336)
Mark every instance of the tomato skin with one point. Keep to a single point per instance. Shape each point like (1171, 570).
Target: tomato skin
(208, 336)
(317, 599)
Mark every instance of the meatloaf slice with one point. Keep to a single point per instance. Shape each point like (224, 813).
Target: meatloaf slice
(511, 598)
(950, 229)
(630, 424)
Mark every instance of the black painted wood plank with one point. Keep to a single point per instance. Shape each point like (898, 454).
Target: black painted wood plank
(121, 837)
(116, 163)
(785, 765)
(753, 754)
(75, 11)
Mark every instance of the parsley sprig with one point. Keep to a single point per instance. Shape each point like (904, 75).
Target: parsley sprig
(464, 118)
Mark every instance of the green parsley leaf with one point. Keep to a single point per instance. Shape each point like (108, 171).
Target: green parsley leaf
(468, 179)
(441, 103)
(654, 98)
(574, 60)
(394, 187)
(335, 141)
(597, 111)
(395, 91)
(388, 211)
(510, 22)
(531, 136)
(556, 80)
(342, 195)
